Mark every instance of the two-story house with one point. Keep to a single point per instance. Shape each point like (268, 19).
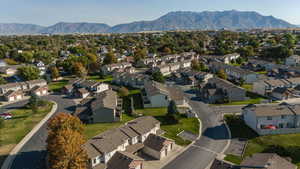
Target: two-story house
(272, 119)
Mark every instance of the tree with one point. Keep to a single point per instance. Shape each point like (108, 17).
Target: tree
(158, 76)
(43, 56)
(198, 66)
(29, 72)
(221, 74)
(54, 72)
(172, 108)
(1, 123)
(2, 81)
(110, 58)
(123, 91)
(140, 54)
(35, 102)
(172, 113)
(64, 143)
(26, 57)
(79, 69)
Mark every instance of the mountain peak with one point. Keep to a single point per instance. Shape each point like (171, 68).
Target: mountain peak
(177, 20)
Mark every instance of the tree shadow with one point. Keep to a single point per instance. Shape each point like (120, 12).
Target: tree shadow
(32, 159)
(216, 133)
(289, 152)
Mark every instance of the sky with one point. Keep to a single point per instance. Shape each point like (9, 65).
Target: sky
(112, 12)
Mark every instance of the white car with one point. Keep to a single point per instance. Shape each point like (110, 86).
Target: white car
(6, 116)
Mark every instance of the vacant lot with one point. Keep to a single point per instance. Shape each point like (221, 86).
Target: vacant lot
(15, 129)
(284, 145)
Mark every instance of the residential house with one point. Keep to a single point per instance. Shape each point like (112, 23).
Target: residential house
(22, 86)
(293, 60)
(125, 160)
(40, 90)
(8, 70)
(41, 66)
(93, 86)
(12, 95)
(158, 147)
(159, 95)
(128, 140)
(234, 73)
(108, 69)
(272, 119)
(130, 80)
(217, 90)
(258, 160)
(81, 93)
(266, 87)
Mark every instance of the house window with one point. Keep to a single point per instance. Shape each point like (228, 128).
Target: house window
(269, 118)
(281, 125)
(166, 97)
(94, 161)
(283, 116)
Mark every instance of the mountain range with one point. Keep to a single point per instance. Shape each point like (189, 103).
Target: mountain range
(181, 20)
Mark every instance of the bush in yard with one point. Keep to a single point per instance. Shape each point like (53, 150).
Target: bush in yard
(35, 102)
(173, 113)
(123, 91)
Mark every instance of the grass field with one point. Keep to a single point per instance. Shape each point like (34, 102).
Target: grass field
(254, 99)
(187, 124)
(15, 129)
(284, 145)
(92, 130)
(56, 86)
(99, 79)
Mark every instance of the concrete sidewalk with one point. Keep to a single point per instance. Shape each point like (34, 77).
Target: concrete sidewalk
(12, 155)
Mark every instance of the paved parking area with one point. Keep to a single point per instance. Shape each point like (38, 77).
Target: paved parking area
(187, 136)
(237, 147)
(151, 163)
(227, 109)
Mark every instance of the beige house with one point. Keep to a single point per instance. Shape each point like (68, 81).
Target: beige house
(126, 141)
(11, 95)
(158, 147)
(272, 119)
(40, 91)
(158, 95)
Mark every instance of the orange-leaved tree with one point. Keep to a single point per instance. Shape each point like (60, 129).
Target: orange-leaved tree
(64, 143)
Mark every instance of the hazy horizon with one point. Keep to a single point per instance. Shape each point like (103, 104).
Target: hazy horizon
(112, 12)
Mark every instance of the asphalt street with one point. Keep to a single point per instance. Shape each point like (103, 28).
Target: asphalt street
(33, 153)
(212, 142)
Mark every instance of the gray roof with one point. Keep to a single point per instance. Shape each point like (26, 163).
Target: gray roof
(153, 88)
(157, 143)
(106, 99)
(123, 160)
(143, 124)
(268, 161)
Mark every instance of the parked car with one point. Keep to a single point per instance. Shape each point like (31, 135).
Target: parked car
(6, 116)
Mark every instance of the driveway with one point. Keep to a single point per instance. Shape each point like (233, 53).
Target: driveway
(212, 142)
(33, 153)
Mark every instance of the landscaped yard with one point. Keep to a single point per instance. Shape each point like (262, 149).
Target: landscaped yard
(99, 79)
(254, 99)
(21, 124)
(92, 130)
(187, 124)
(56, 86)
(284, 145)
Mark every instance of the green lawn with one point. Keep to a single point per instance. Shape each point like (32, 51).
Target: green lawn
(92, 130)
(187, 124)
(15, 129)
(99, 79)
(56, 86)
(233, 158)
(247, 87)
(254, 99)
(284, 145)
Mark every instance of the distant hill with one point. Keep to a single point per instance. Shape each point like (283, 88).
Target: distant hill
(68, 28)
(205, 20)
(15, 28)
(172, 21)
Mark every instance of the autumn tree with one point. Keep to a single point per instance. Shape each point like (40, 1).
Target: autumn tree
(221, 74)
(79, 69)
(64, 143)
(123, 91)
(54, 72)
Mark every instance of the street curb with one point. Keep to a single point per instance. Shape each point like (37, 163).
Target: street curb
(227, 145)
(12, 155)
(187, 147)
